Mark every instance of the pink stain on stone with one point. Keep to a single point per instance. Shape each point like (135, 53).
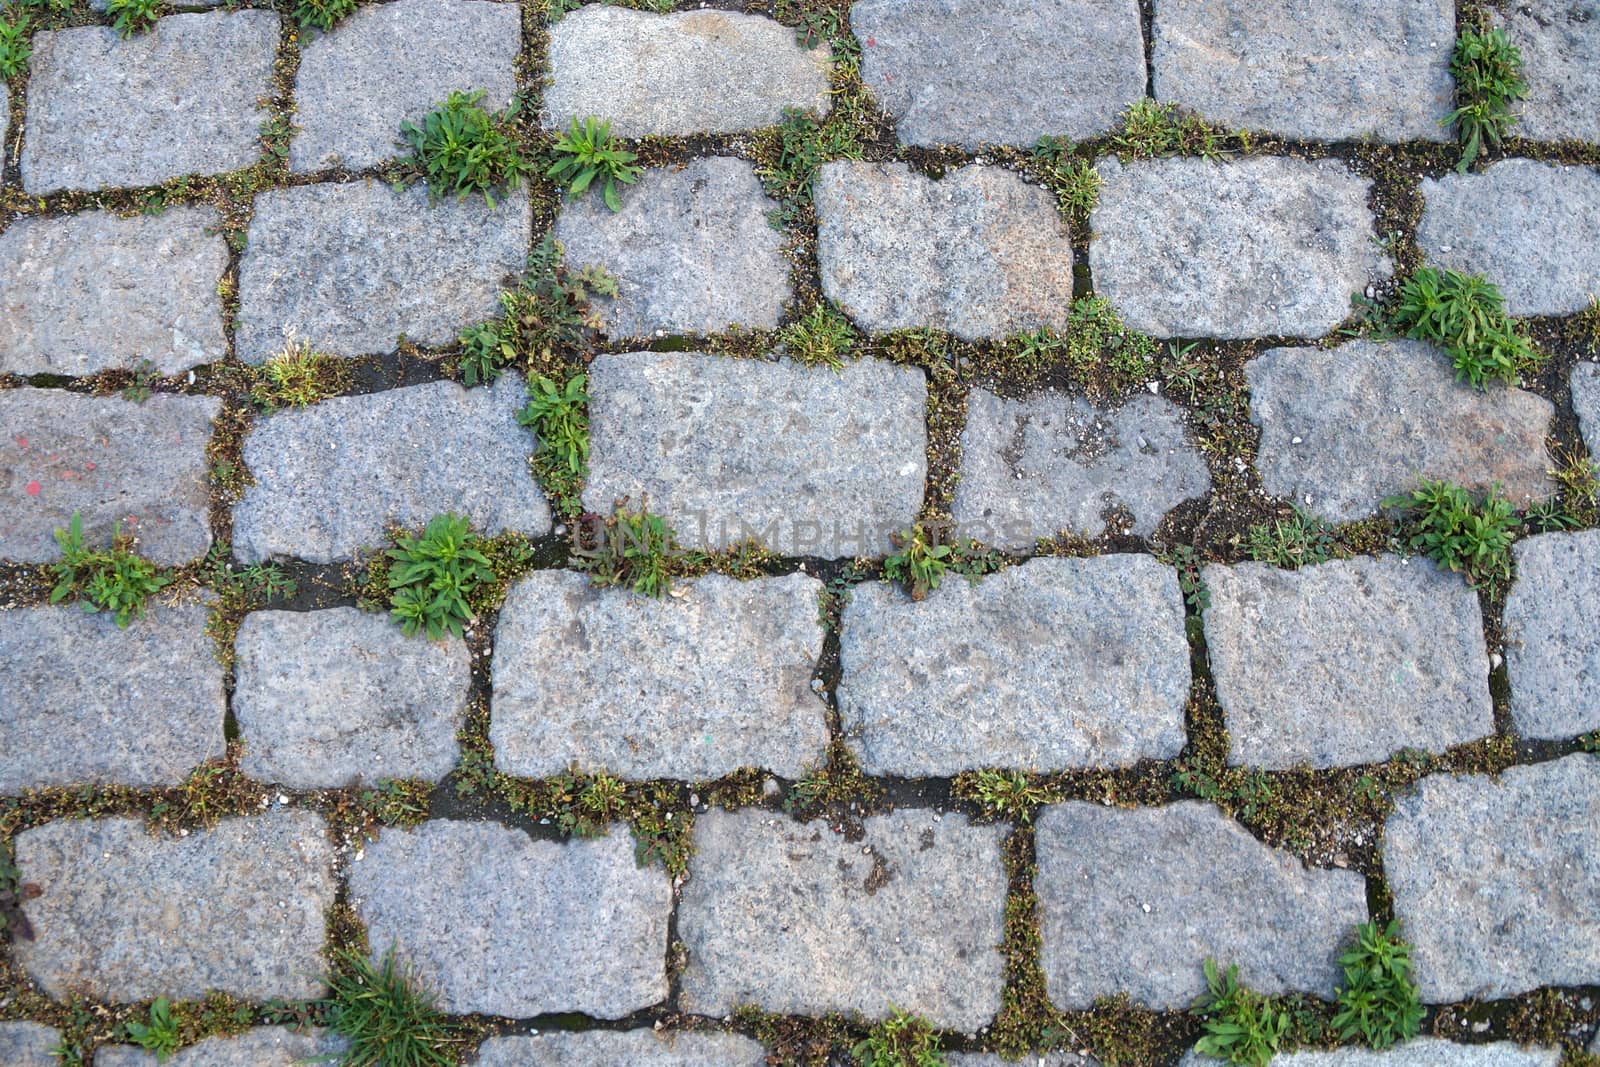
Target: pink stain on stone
(33, 488)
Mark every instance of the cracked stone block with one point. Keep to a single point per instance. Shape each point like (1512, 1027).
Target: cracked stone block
(1332, 70)
(1055, 462)
(390, 63)
(1256, 247)
(1586, 402)
(137, 707)
(1552, 642)
(969, 72)
(691, 249)
(1531, 228)
(633, 1048)
(498, 923)
(1344, 428)
(1559, 40)
(714, 678)
(979, 253)
(1346, 662)
(795, 919)
(93, 292)
(674, 75)
(25, 1044)
(1051, 665)
(1135, 901)
(327, 699)
(354, 268)
(1419, 1052)
(126, 916)
(184, 98)
(1497, 880)
(336, 477)
(808, 460)
(266, 1046)
(109, 461)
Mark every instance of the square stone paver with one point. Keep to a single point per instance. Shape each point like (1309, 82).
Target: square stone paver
(1552, 635)
(1560, 42)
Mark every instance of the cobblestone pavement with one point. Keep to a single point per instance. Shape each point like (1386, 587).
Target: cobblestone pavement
(969, 587)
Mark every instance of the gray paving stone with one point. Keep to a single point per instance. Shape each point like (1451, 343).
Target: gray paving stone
(334, 478)
(1344, 428)
(351, 268)
(126, 916)
(181, 99)
(979, 253)
(793, 918)
(267, 1046)
(627, 1048)
(325, 699)
(25, 1044)
(86, 702)
(1420, 1052)
(691, 249)
(1346, 662)
(499, 923)
(5, 124)
(1559, 40)
(1498, 881)
(1531, 228)
(389, 63)
(1051, 665)
(1031, 1059)
(692, 686)
(1053, 462)
(93, 292)
(109, 461)
(811, 461)
(1136, 900)
(1336, 71)
(1586, 401)
(684, 73)
(1254, 247)
(1552, 643)
(966, 72)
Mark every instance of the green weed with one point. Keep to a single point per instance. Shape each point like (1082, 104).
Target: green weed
(559, 416)
(1241, 1026)
(159, 1035)
(129, 17)
(1299, 541)
(298, 377)
(144, 376)
(1007, 794)
(1187, 562)
(16, 46)
(1488, 71)
(1465, 315)
(901, 1040)
(322, 14)
(1379, 1002)
(14, 892)
(1464, 534)
(1584, 327)
(397, 802)
(433, 576)
(800, 145)
(461, 148)
(634, 549)
(820, 337)
(113, 580)
(1073, 179)
(585, 157)
(920, 562)
(386, 1018)
(1102, 354)
(1149, 129)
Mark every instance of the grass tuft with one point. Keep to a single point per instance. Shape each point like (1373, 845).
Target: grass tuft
(820, 337)
(1150, 129)
(901, 1040)
(322, 14)
(298, 377)
(386, 1017)
(1465, 315)
(113, 580)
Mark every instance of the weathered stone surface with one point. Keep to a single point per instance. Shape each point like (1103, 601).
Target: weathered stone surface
(811, 461)
(1054, 664)
(125, 916)
(1031, 1059)
(690, 72)
(1531, 228)
(351, 268)
(183, 98)
(86, 702)
(497, 922)
(692, 686)
(1344, 428)
(25, 1044)
(1559, 40)
(1586, 402)
(691, 249)
(1187, 247)
(979, 253)
(267, 1046)
(1336, 71)
(93, 292)
(109, 461)
(1421, 1052)
(1552, 641)
(328, 698)
(391, 63)
(967, 72)
(1346, 662)
(909, 917)
(634, 1048)
(1054, 462)
(333, 478)
(5, 124)
(1135, 900)
(1498, 881)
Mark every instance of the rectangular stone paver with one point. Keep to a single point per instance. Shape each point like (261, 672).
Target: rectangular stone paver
(811, 461)
(83, 701)
(1054, 664)
(692, 686)
(332, 479)
(183, 98)
(110, 461)
(499, 923)
(1552, 635)
(125, 916)
(1135, 901)
(1420, 1052)
(1497, 880)
(329, 698)
(94, 292)
(633, 1048)
(25, 1044)
(1559, 40)
(1586, 402)
(350, 268)
(1345, 662)
(266, 1046)
(795, 919)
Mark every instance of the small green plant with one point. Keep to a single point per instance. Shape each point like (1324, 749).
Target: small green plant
(585, 157)
(397, 802)
(322, 14)
(1465, 315)
(820, 337)
(559, 416)
(388, 1020)
(113, 580)
(1469, 535)
(901, 1040)
(129, 17)
(1191, 581)
(1379, 1003)
(298, 377)
(634, 549)
(461, 148)
(1298, 541)
(1584, 327)
(432, 577)
(920, 562)
(1073, 179)
(801, 145)
(1009, 794)
(1488, 71)
(1103, 355)
(1149, 129)
(15, 44)
(160, 1034)
(1241, 1026)
(14, 892)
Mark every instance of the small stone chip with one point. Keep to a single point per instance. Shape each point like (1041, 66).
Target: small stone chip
(626, 1048)
(1552, 635)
